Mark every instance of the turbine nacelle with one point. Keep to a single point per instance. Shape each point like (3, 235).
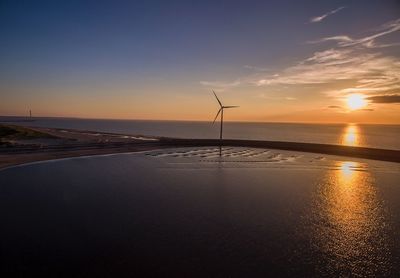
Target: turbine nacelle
(221, 111)
(222, 107)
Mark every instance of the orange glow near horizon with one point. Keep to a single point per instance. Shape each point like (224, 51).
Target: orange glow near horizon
(198, 106)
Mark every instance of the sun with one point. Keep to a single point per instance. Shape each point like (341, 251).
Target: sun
(356, 101)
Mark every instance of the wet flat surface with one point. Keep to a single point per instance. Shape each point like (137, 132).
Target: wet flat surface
(191, 212)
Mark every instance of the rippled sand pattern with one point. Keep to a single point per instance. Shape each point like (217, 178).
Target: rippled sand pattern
(228, 154)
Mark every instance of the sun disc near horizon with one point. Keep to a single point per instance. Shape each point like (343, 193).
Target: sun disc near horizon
(356, 101)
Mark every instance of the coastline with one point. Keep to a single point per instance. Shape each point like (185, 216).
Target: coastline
(67, 143)
(25, 159)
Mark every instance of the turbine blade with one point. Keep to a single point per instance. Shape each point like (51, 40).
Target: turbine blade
(219, 111)
(231, 106)
(220, 104)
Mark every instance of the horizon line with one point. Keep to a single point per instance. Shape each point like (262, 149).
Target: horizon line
(189, 120)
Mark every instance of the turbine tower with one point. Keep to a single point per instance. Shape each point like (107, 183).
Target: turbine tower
(221, 110)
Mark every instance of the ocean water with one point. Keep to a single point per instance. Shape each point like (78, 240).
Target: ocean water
(188, 212)
(376, 136)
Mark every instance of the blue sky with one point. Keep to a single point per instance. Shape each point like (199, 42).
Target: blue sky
(94, 58)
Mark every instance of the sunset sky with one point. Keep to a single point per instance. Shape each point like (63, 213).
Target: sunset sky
(286, 61)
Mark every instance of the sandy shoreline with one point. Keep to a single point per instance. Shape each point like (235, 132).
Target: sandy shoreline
(68, 143)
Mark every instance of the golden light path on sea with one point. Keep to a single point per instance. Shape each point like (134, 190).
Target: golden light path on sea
(351, 135)
(349, 222)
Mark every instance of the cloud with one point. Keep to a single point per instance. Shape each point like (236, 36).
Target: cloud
(385, 99)
(255, 68)
(219, 85)
(367, 72)
(366, 69)
(274, 97)
(367, 41)
(331, 66)
(340, 39)
(358, 67)
(322, 17)
(340, 108)
(367, 109)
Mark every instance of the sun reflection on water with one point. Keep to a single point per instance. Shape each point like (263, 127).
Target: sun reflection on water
(348, 223)
(347, 169)
(351, 135)
(350, 200)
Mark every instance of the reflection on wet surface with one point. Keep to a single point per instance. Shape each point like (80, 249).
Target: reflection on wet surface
(188, 212)
(350, 224)
(351, 136)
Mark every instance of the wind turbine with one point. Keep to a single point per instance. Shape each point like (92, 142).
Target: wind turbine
(221, 110)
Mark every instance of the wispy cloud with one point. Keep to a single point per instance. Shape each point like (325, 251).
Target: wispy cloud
(367, 70)
(368, 41)
(342, 109)
(219, 85)
(254, 68)
(322, 17)
(351, 66)
(274, 97)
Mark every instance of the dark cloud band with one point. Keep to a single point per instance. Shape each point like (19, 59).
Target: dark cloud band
(385, 99)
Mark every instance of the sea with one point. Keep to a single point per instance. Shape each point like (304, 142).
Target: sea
(362, 135)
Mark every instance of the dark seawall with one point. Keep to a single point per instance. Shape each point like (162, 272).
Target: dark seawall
(358, 152)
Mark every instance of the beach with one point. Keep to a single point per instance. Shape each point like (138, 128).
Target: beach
(57, 143)
(348, 134)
